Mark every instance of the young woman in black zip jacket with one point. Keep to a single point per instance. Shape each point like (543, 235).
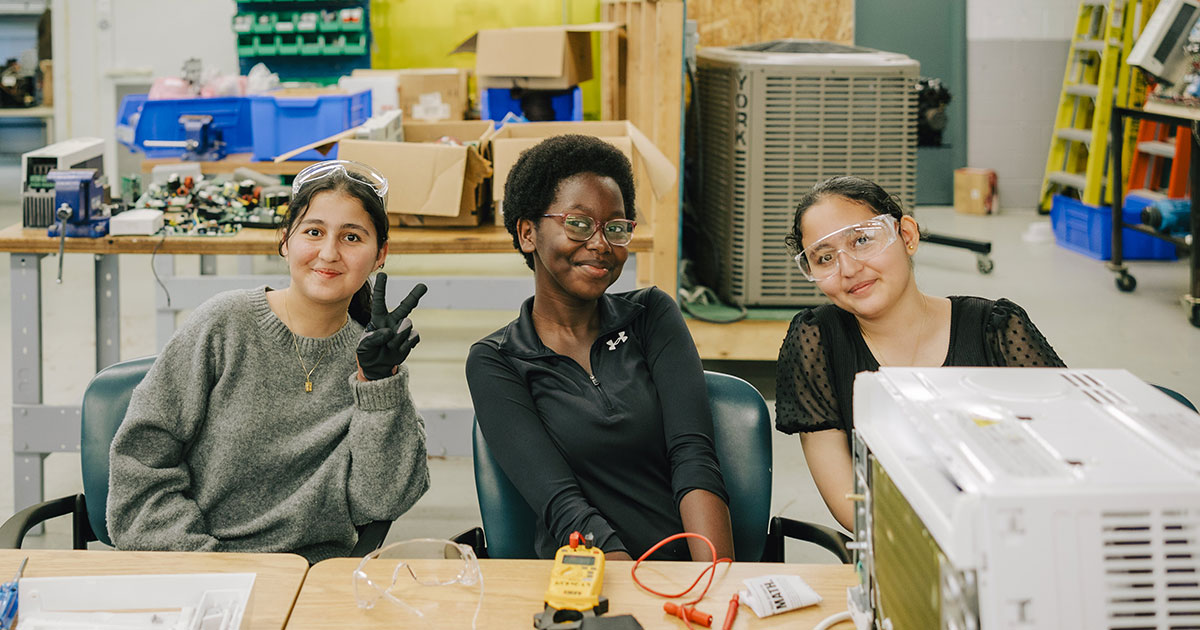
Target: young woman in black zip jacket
(594, 404)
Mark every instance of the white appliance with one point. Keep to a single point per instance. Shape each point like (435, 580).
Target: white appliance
(37, 192)
(1159, 49)
(1031, 499)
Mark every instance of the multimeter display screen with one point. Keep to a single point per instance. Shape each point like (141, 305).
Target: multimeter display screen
(578, 560)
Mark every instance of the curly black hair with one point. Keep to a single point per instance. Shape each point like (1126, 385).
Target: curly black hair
(856, 189)
(533, 182)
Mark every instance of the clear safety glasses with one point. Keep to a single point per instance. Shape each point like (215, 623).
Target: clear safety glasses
(861, 241)
(581, 227)
(431, 582)
(356, 170)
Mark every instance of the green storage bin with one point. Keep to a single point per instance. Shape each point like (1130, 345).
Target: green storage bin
(312, 45)
(245, 46)
(289, 44)
(267, 45)
(329, 25)
(334, 45)
(244, 22)
(355, 44)
(264, 23)
(308, 25)
(286, 23)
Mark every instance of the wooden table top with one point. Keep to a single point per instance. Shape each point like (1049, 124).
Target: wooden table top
(513, 591)
(276, 583)
(414, 240)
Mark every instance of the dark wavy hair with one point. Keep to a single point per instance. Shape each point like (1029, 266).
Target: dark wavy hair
(855, 189)
(533, 182)
(376, 208)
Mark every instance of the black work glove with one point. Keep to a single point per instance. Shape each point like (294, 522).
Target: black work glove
(389, 337)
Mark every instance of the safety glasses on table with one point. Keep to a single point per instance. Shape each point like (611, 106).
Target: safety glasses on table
(861, 241)
(355, 170)
(430, 580)
(581, 227)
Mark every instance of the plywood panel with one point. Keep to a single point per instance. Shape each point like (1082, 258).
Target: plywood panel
(831, 20)
(735, 22)
(726, 22)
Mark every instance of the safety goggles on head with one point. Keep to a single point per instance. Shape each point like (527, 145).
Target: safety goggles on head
(421, 577)
(354, 170)
(861, 241)
(581, 227)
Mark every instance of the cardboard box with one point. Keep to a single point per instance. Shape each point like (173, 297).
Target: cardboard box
(649, 163)
(537, 57)
(449, 84)
(975, 191)
(430, 184)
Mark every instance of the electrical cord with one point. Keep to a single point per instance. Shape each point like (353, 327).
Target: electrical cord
(685, 610)
(833, 620)
(154, 269)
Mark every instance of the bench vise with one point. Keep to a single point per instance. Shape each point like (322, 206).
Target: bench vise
(203, 139)
(79, 204)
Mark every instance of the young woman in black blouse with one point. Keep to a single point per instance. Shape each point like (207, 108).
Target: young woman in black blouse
(853, 239)
(594, 403)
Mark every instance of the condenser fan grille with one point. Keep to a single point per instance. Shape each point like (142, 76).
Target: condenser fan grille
(773, 130)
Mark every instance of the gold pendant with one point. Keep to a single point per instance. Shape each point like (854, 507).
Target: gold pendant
(308, 386)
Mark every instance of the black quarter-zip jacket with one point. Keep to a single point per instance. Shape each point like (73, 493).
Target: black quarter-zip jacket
(609, 453)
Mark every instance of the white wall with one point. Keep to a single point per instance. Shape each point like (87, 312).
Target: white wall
(100, 44)
(1021, 19)
(1016, 54)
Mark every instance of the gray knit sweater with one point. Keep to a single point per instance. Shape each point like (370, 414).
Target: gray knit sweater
(222, 449)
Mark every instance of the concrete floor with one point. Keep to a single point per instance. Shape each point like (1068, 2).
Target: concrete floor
(1072, 299)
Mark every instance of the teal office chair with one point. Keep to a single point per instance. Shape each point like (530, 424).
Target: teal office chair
(1179, 398)
(104, 404)
(742, 431)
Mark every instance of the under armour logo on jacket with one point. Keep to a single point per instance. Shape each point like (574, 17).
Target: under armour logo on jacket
(613, 343)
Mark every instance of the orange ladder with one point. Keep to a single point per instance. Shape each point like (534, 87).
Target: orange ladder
(1155, 148)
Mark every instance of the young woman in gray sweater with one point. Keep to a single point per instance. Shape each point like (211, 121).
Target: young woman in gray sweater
(278, 420)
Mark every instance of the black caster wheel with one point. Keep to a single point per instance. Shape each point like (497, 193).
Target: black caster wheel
(1126, 282)
(1194, 316)
(985, 265)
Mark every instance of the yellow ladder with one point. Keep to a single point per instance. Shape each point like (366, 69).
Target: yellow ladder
(1096, 78)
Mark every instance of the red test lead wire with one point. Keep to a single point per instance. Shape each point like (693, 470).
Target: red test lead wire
(689, 613)
(701, 618)
(731, 613)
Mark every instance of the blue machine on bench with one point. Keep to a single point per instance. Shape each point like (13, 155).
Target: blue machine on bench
(80, 210)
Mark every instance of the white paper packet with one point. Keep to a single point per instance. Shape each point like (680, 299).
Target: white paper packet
(770, 595)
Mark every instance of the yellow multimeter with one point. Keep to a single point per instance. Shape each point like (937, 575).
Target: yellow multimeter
(577, 577)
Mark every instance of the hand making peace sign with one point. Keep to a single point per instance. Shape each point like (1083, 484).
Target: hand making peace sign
(388, 339)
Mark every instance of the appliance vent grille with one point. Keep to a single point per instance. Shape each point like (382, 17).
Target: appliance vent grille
(1151, 569)
(1095, 389)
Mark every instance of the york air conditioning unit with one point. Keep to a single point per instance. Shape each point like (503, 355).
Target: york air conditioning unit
(776, 118)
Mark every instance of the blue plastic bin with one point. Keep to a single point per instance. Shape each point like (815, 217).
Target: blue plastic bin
(141, 119)
(496, 102)
(1088, 230)
(290, 122)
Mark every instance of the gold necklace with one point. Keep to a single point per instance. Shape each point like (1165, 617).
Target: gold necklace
(920, 334)
(308, 386)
